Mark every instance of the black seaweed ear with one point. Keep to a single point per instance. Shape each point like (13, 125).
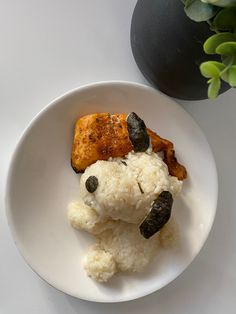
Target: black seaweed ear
(91, 184)
(158, 216)
(137, 132)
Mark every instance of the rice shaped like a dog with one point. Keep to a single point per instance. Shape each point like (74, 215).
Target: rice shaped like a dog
(116, 195)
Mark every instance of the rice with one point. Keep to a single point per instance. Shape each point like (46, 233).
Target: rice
(112, 213)
(126, 192)
(130, 250)
(99, 264)
(81, 216)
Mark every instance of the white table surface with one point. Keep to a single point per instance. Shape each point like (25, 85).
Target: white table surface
(51, 46)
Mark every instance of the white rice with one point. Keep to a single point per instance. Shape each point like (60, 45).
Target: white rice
(114, 211)
(131, 251)
(118, 195)
(99, 264)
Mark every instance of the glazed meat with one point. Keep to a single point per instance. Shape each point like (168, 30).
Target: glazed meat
(162, 145)
(100, 136)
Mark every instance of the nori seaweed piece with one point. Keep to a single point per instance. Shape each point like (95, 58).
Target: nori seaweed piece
(137, 132)
(140, 188)
(158, 216)
(123, 162)
(91, 184)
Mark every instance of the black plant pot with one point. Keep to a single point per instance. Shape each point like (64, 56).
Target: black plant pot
(168, 48)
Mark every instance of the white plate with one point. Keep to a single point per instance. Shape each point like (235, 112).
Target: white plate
(41, 183)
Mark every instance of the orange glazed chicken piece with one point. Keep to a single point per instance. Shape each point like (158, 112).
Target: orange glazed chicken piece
(100, 136)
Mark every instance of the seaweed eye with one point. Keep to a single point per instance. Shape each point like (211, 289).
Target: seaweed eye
(91, 184)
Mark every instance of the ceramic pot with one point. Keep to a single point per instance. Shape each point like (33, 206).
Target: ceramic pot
(168, 48)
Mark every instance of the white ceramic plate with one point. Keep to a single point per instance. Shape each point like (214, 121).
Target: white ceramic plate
(41, 183)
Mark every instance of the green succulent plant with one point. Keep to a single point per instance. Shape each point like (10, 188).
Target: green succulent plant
(221, 17)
